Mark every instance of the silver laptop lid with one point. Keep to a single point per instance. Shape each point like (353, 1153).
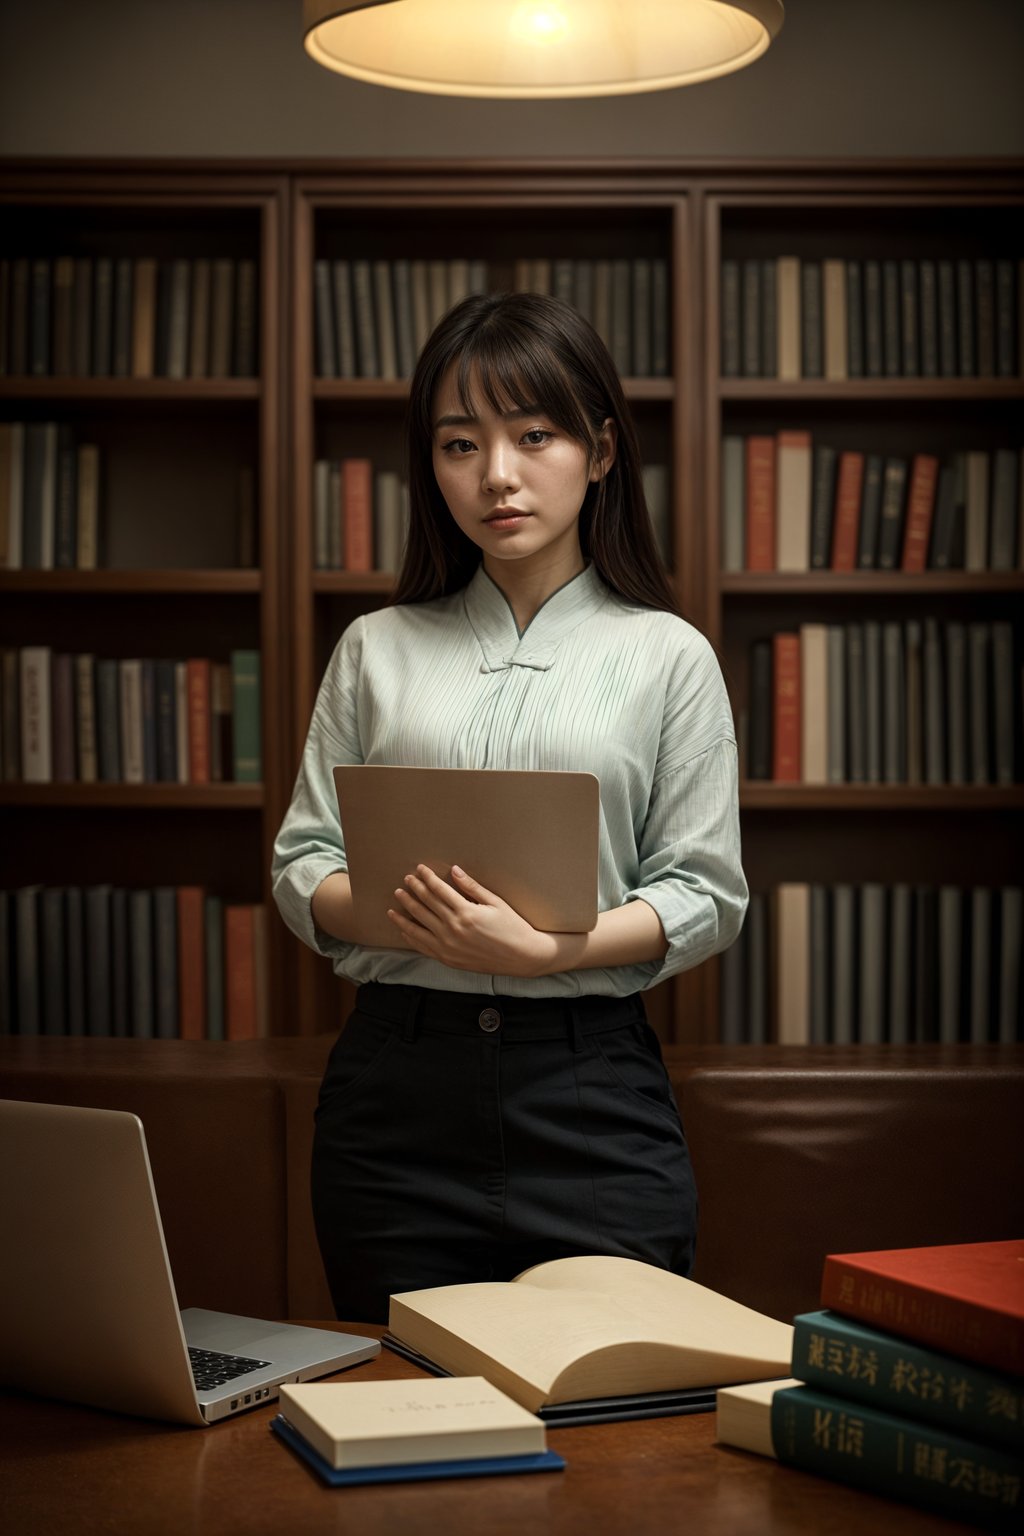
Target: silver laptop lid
(87, 1304)
(88, 1310)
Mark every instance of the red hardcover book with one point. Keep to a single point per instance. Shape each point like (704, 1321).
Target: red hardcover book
(924, 477)
(260, 974)
(846, 522)
(197, 676)
(240, 974)
(760, 504)
(191, 963)
(357, 482)
(760, 482)
(965, 1298)
(786, 708)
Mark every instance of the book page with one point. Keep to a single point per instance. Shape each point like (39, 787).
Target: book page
(550, 1319)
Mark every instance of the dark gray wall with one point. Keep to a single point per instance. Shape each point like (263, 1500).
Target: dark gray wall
(229, 77)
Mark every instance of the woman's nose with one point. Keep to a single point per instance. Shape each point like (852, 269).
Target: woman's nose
(500, 471)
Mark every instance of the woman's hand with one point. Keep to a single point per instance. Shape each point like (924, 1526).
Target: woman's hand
(468, 927)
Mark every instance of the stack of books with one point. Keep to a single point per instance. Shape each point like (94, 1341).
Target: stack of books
(49, 498)
(81, 718)
(875, 964)
(407, 1431)
(926, 701)
(792, 502)
(166, 963)
(840, 318)
(909, 1384)
(372, 317)
(122, 317)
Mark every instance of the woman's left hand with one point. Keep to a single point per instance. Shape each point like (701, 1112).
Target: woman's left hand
(468, 927)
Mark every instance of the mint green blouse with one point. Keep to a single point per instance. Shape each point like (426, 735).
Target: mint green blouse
(595, 684)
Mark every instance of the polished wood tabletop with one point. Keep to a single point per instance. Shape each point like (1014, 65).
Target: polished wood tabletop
(70, 1471)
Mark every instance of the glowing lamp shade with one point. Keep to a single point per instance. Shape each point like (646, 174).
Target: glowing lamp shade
(538, 48)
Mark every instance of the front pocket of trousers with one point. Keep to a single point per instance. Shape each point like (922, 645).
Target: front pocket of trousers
(630, 1067)
(356, 1057)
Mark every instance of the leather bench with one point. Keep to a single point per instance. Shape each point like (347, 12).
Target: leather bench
(798, 1153)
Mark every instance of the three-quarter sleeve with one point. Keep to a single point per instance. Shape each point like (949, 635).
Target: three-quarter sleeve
(309, 845)
(690, 869)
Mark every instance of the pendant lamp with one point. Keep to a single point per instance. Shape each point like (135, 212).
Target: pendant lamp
(537, 49)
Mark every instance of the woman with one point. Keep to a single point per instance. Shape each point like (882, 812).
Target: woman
(497, 1098)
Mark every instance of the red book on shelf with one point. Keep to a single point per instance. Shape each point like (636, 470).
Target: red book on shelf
(191, 963)
(197, 680)
(357, 482)
(760, 552)
(964, 1298)
(924, 476)
(846, 522)
(241, 1010)
(786, 708)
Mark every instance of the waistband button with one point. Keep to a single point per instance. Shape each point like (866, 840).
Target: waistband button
(489, 1020)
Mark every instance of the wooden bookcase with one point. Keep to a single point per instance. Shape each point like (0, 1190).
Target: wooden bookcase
(168, 583)
(922, 834)
(171, 448)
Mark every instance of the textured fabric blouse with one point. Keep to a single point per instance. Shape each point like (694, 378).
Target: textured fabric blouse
(593, 684)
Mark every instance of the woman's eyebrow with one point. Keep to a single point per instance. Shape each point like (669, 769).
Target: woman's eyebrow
(519, 414)
(453, 420)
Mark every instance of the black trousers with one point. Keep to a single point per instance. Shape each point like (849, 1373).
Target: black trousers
(463, 1137)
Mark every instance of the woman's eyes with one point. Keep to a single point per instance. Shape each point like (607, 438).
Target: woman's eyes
(458, 447)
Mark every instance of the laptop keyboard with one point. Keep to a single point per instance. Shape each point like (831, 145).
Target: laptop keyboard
(212, 1369)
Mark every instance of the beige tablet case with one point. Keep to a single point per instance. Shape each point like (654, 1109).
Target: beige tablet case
(531, 837)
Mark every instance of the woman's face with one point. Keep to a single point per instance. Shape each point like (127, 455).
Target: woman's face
(514, 483)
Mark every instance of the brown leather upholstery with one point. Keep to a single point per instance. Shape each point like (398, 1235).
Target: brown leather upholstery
(798, 1153)
(801, 1153)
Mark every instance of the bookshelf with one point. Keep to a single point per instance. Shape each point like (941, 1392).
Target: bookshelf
(172, 581)
(915, 827)
(188, 526)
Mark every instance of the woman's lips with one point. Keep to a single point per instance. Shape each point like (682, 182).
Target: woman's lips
(506, 517)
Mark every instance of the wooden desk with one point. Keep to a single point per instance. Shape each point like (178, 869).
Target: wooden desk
(67, 1471)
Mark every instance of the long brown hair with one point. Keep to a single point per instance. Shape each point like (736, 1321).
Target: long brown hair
(529, 351)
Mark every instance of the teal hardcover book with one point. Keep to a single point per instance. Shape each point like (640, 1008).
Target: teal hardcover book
(853, 1360)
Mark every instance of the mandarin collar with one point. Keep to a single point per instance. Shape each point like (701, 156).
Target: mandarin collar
(493, 622)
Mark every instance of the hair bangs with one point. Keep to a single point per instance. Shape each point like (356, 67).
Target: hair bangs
(513, 375)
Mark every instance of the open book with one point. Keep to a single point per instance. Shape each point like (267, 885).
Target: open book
(593, 1327)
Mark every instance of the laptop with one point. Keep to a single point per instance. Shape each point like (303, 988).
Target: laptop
(88, 1311)
(531, 837)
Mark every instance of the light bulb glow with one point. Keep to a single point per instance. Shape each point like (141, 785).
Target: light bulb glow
(539, 22)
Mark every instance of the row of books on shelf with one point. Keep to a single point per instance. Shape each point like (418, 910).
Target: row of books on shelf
(172, 962)
(128, 317)
(873, 964)
(908, 1382)
(836, 319)
(372, 317)
(920, 702)
(51, 512)
(67, 718)
(360, 516)
(49, 498)
(791, 504)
